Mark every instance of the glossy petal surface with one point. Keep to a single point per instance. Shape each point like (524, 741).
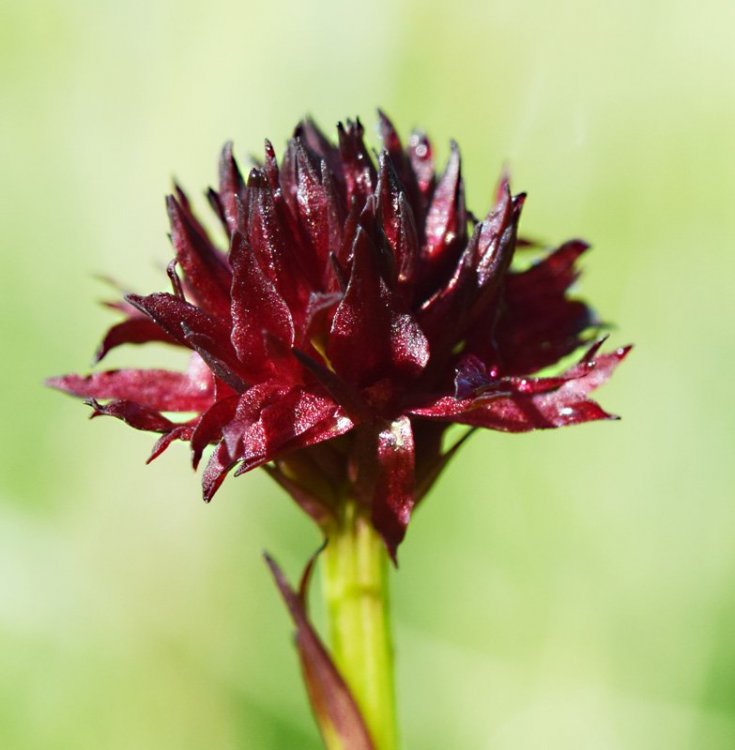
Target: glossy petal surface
(360, 309)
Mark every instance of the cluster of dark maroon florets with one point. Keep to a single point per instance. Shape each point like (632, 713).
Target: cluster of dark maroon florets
(358, 310)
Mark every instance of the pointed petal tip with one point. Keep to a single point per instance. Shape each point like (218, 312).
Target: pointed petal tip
(93, 404)
(179, 191)
(595, 347)
(174, 210)
(617, 356)
(218, 467)
(580, 244)
(136, 300)
(179, 432)
(195, 461)
(54, 382)
(502, 189)
(392, 550)
(269, 561)
(257, 178)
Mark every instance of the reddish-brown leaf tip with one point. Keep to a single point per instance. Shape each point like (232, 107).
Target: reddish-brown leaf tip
(331, 701)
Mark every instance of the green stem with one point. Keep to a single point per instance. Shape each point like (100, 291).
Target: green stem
(355, 577)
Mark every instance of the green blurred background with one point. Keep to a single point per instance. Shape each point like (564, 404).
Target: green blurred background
(570, 589)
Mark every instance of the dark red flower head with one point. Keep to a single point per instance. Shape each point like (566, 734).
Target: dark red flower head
(358, 311)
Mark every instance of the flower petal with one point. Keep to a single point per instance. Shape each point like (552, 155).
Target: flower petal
(357, 166)
(527, 343)
(515, 407)
(539, 324)
(206, 273)
(135, 415)
(290, 421)
(317, 142)
(343, 393)
(219, 465)
(134, 330)
(317, 205)
(496, 241)
(160, 390)
(469, 298)
(393, 497)
(370, 338)
(301, 418)
(357, 346)
(446, 220)
(396, 219)
(181, 432)
(210, 427)
(257, 308)
(402, 165)
(193, 328)
(420, 154)
(243, 434)
(232, 190)
(169, 312)
(211, 353)
(551, 276)
(272, 234)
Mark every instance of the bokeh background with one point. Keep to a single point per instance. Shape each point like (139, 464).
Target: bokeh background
(561, 589)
